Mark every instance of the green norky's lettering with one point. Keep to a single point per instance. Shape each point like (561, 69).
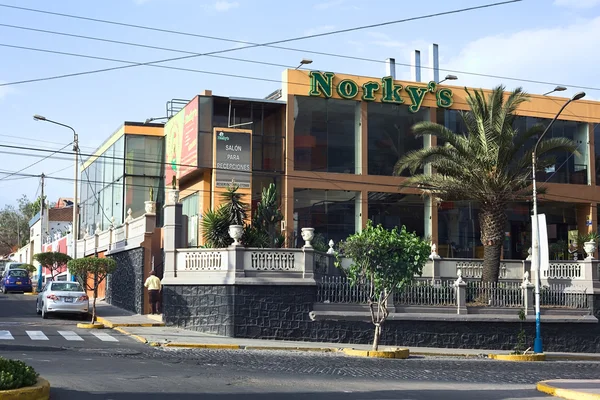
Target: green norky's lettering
(321, 84)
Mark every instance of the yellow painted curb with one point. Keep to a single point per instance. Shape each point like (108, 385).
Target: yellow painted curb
(109, 324)
(204, 346)
(29, 294)
(518, 357)
(39, 391)
(395, 353)
(85, 325)
(568, 394)
(136, 337)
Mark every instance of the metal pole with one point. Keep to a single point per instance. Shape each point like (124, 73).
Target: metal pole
(41, 232)
(75, 230)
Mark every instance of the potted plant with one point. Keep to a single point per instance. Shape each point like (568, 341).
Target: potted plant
(173, 193)
(150, 205)
(590, 244)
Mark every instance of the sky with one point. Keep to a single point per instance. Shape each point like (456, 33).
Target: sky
(554, 41)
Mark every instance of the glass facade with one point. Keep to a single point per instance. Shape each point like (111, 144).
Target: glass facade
(390, 135)
(191, 210)
(120, 178)
(334, 214)
(597, 152)
(326, 133)
(395, 209)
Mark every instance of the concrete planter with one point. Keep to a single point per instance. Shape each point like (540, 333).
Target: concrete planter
(150, 207)
(590, 249)
(387, 353)
(39, 391)
(518, 357)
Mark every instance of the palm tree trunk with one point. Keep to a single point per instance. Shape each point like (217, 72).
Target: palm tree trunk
(492, 221)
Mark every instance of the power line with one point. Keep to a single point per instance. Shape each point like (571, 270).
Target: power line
(256, 78)
(35, 163)
(316, 35)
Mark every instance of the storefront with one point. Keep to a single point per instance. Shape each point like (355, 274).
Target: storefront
(330, 144)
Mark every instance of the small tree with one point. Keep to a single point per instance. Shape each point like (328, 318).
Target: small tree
(97, 269)
(53, 261)
(268, 217)
(384, 260)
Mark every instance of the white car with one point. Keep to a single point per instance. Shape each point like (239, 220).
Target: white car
(62, 297)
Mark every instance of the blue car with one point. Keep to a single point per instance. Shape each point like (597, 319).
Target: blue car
(15, 280)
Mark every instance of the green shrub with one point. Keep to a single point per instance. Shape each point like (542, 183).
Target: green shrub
(16, 374)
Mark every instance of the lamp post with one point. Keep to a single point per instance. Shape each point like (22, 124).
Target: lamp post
(537, 344)
(304, 61)
(556, 89)
(449, 78)
(75, 230)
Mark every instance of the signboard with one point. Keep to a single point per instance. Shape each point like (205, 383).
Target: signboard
(233, 157)
(386, 90)
(181, 133)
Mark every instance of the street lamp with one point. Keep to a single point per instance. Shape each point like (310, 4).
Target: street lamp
(449, 78)
(304, 61)
(557, 89)
(537, 344)
(75, 229)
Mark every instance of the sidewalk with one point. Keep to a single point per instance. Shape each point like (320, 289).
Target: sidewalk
(572, 389)
(112, 317)
(176, 337)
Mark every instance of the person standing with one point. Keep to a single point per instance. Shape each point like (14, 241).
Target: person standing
(153, 284)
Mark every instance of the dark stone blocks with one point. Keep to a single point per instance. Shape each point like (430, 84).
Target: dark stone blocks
(125, 287)
(282, 313)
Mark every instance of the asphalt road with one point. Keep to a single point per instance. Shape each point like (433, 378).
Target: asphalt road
(122, 368)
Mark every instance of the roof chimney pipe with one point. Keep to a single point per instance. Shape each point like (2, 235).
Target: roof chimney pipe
(434, 62)
(390, 67)
(416, 66)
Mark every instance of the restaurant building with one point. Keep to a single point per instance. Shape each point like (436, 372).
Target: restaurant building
(329, 143)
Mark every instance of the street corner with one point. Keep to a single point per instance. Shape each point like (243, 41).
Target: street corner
(571, 389)
(39, 391)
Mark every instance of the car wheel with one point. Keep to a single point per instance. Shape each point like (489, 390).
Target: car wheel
(44, 313)
(37, 308)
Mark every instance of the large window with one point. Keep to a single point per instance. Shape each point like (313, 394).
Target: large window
(334, 214)
(390, 135)
(191, 209)
(326, 133)
(144, 155)
(597, 152)
(394, 210)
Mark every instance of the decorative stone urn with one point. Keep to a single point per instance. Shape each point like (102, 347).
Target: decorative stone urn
(590, 249)
(236, 232)
(172, 196)
(308, 234)
(150, 207)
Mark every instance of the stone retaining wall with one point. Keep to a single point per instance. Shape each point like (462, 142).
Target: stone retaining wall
(125, 287)
(282, 313)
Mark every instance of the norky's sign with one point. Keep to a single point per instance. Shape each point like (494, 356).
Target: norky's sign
(321, 84)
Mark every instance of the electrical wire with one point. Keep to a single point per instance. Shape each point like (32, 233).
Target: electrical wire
(316, 35)
(35, 163)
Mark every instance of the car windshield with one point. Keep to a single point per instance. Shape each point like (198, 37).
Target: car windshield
(66, 287)
(18, 273)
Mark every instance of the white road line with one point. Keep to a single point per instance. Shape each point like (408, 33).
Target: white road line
(5, 335)
(105, 337)
(37, 335)
(71, 336)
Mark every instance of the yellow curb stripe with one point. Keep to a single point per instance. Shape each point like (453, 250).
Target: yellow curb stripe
(109, 324)
(518, 357)
(39, 391)
(90, 326)
(204, 346)
(136, 337)
(568, 394)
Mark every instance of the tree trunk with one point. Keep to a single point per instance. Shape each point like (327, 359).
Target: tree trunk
(492, 221)
(376, 337)
(94, 304)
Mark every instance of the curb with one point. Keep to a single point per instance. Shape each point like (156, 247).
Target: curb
(136, 337)
(29, 294)
(109, 324)
(545, 387)
(39, 391)
(395, 353)
(518, 357)
(85, 325)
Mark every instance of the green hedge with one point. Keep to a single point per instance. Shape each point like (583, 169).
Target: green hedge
(15, 374)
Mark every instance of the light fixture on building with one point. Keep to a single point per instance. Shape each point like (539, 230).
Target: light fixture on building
(556, 89)
(449, 78)
(304, 61)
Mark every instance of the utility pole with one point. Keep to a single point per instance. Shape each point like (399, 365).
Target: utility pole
(41, 231)
(75, 230)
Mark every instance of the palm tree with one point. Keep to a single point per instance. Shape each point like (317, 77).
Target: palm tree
(490, 164)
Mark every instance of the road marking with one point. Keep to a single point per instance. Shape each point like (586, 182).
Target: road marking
(37, 335)
(105, 337)
(5, 335)
(71, 336)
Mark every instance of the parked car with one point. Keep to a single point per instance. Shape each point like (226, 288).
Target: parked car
(10, 266)
(62, 297)
(15, 280)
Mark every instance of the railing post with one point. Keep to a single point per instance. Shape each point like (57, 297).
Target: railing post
(461, 294)
(527, 292)
(309, 262)
(236, 260)
(172, 229)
